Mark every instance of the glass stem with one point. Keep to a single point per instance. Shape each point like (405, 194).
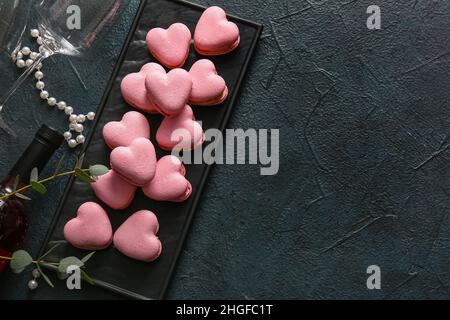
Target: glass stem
(10, 92)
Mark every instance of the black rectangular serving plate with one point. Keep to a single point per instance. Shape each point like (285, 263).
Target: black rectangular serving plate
(109, 268)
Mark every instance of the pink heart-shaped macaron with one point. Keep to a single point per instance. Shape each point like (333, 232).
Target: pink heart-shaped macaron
(214, 34)
(91, 229)
(180, 132)
(121, 133)
(113, 190)
(133, 88)
(169, 92)
(136, 237)
(208, 88)
(169, 183)
(170, 46)
(135, 163)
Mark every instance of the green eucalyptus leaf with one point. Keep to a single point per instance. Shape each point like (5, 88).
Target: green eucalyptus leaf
(69, 261)
(22, 196)
(80, 161)
(98, 170)
(49, 251)
(34, 175)
(83, 175)
(86, 278)
(39, 187)
(46, 278)
(20, 260)
(87, 257)
(59, 165)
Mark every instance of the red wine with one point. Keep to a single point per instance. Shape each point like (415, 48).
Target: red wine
(13, 228)
(13, 218)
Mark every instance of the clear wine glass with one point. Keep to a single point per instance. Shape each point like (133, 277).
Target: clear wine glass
(68, 27)
(14, 21)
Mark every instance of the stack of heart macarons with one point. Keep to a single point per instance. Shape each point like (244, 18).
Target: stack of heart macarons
(133, 164)
(171, 94)
(133, 158)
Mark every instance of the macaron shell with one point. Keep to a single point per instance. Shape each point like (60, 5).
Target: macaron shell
(135, 163)
(170, 46)
(136, 237)
(169, 92)
(214, 34)
(122, 133)
(181, 132)
(90, 229)
(219, 52)
(213, 102)
(208, 88)
(169, 183)
(133, 89)
(114, 191)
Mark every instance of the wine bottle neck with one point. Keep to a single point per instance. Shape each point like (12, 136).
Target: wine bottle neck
(37, 154)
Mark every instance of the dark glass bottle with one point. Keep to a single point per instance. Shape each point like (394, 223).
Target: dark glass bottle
(13, 220)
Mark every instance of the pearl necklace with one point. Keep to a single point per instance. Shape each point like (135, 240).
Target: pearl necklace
(25, 58)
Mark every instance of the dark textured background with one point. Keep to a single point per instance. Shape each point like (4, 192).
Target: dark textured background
(363, 177)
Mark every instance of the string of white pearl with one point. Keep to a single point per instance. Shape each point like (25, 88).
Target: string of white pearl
(25, 58)
(33, 284)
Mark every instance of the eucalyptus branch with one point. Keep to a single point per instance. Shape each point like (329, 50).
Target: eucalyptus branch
(41, 262)
(87, 175)
(21, 259)
(41, 182)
